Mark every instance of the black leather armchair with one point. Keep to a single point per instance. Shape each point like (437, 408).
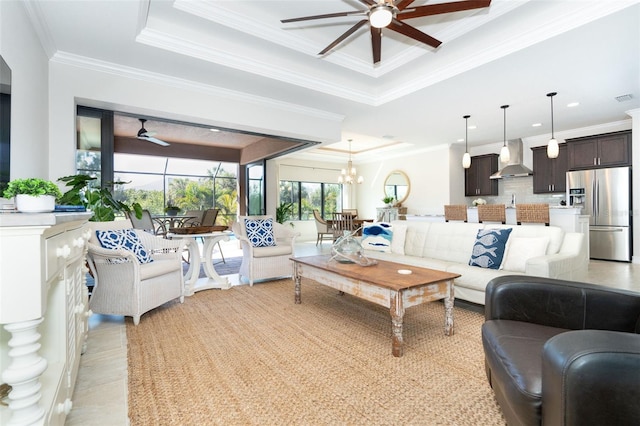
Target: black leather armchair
(561, 352)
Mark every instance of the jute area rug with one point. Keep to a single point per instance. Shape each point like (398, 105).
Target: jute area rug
(250, 356)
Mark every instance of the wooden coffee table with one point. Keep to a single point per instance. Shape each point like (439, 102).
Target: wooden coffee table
(382, 284)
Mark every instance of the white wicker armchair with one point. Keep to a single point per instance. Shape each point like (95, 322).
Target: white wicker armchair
(259, 263)
(124, 286)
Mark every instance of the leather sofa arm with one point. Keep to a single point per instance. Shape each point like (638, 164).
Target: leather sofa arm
(561, 304)
(591, 377)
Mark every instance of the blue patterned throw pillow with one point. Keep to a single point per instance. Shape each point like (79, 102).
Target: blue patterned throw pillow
(124, 239)
(377, 236)
(488, 250)
(260, 232)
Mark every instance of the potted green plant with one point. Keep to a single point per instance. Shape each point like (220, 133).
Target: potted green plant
(172, 210)
(388, 200)
(84, 192)
(283, 212)
(33, 195)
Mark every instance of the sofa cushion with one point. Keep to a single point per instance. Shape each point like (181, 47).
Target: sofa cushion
(377, 236)
(280, 250)
(126, 239)
(260, 232)
(399, 236)
(554, 233)
(519, 250)
(488, 250)
(450, 241)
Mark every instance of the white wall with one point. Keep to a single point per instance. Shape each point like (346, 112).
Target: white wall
(429, 175)
(23, 53)
(161, 96)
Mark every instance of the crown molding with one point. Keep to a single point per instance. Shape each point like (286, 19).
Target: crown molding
(34, 12)
(162, 79)
(271, 70)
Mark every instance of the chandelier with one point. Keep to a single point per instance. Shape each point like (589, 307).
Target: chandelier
(349, 174)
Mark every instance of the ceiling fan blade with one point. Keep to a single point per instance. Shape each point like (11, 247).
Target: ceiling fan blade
(376, 43)
(344, 36)
(414, 33)
(146, 133)
(437, 9)
(154, 140)
(327, 15)
(403, 4)
(369, 2)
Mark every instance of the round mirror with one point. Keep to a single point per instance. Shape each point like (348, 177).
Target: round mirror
(397, 185)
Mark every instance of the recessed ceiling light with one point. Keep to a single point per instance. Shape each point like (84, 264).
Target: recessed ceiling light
(472, 127)
(215, 130)
(536, 125)
(461, 140)
(573, 104)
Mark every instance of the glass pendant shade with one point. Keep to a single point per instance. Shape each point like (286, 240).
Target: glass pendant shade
(380, 16)
(553, 150)
(505, 157)
(466, 158)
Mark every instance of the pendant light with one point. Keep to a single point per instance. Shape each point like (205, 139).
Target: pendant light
(505, 156)
(552, 147)
(349, 174)
(466, 158)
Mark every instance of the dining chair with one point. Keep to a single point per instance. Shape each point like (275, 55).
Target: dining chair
(353, 212)
(455, 212)
(492, 213)
(147, 223)
(322, 227)
(341, 222)
(532, 213)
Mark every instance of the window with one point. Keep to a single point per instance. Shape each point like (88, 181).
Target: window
(155, 182)
(309, 196)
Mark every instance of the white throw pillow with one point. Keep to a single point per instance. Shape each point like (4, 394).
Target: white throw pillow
(397, 241)
(521, 249)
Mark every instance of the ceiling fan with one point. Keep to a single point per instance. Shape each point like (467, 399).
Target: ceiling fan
(391, 14)
(148, 136)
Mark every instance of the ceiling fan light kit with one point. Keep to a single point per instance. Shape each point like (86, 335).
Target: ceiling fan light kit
(144, 135)
(380, 16)
(390, 14)
(553, 149)
(466, 158)
(505, 156)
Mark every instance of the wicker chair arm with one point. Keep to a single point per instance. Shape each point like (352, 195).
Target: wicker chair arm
(100, 252)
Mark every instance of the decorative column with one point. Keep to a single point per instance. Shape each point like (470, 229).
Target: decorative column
(23, 374)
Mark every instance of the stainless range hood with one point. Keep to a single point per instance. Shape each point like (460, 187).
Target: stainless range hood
(514, 168)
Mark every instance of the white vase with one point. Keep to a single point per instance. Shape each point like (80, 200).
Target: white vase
(35, 204)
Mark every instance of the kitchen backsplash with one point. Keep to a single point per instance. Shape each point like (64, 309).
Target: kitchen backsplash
(522, 187)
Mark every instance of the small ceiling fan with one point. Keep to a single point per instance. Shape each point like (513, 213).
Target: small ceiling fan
(148, 136)
(391, 14)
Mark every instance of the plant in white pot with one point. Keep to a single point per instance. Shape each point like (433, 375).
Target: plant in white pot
(33, 195)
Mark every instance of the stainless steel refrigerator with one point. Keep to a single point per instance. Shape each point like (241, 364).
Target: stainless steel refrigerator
(605, 195)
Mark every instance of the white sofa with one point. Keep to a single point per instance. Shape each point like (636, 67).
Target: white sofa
(448, 247)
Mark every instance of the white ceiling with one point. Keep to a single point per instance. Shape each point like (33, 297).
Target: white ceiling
(513, 52)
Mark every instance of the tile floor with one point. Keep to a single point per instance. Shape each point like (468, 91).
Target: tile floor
(100, 396)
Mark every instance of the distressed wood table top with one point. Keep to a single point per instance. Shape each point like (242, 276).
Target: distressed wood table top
(381, 284)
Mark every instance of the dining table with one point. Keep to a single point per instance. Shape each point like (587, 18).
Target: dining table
(172, 221)
(357, 224)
